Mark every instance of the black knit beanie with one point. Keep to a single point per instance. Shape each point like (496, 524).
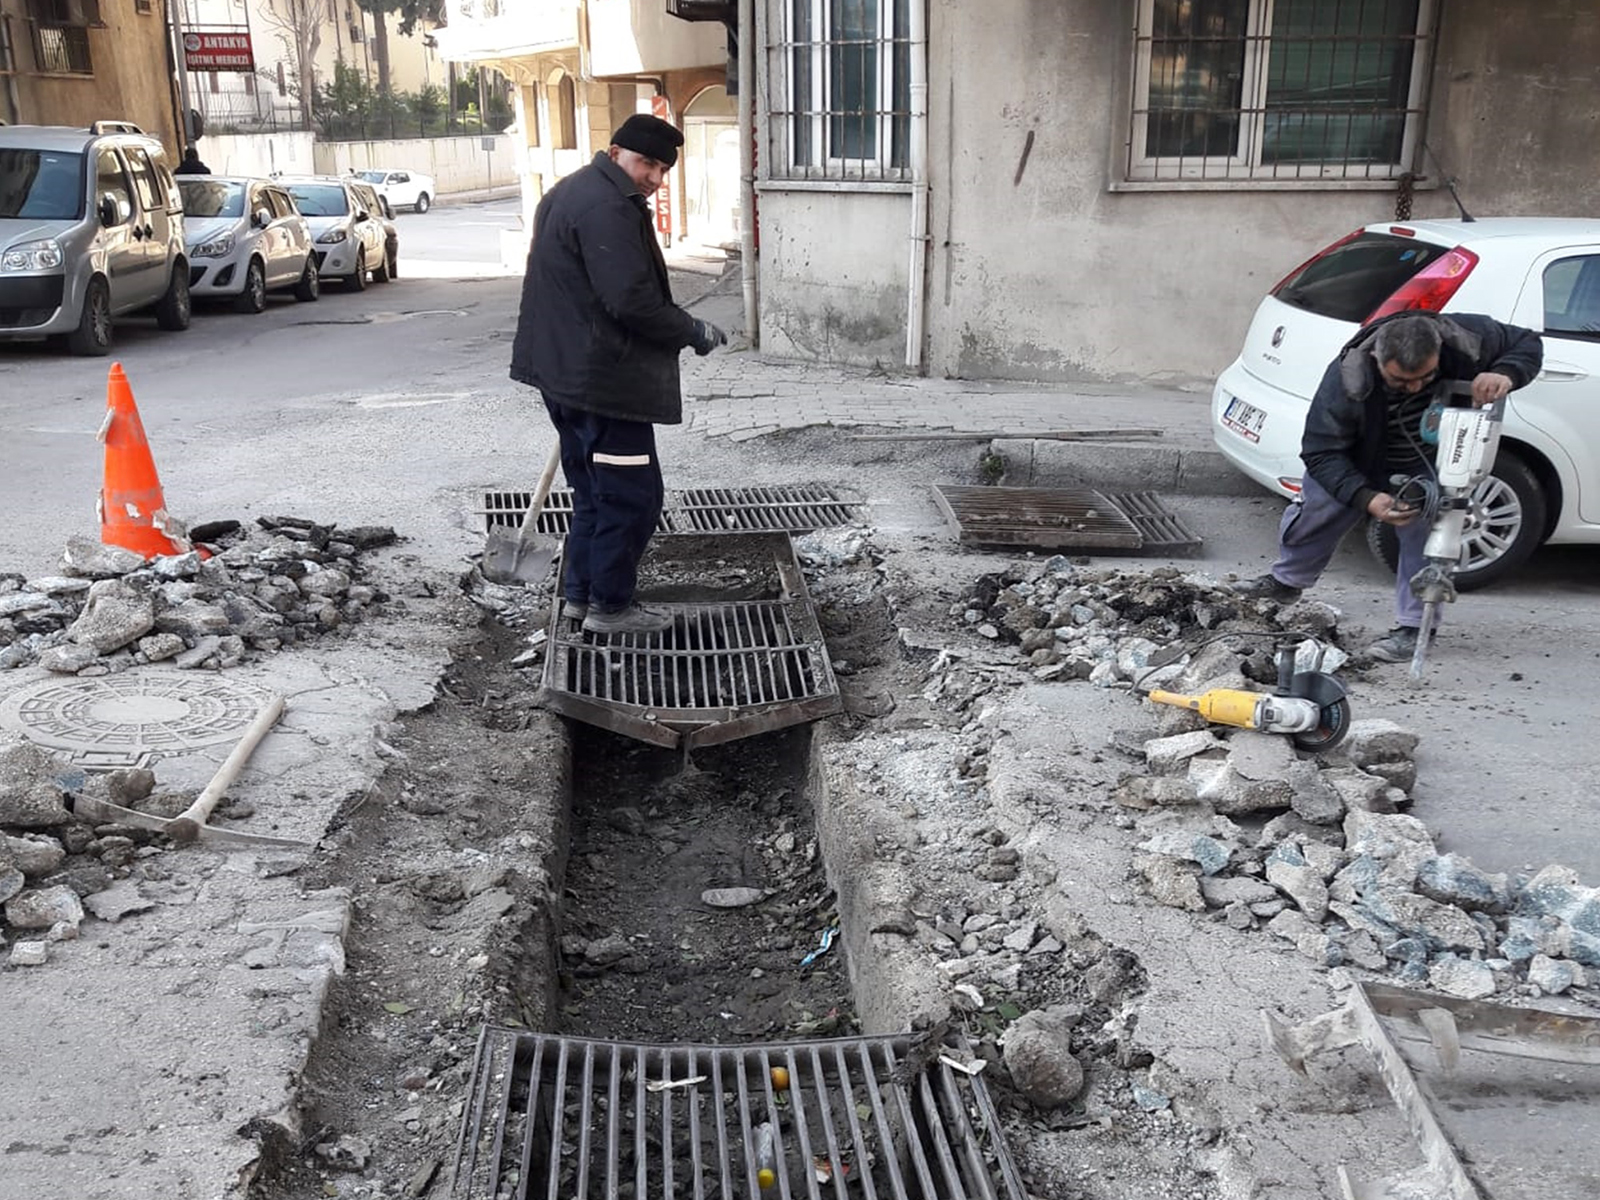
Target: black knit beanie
(650, 136)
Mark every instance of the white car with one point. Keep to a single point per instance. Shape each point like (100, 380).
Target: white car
(402, 189)
(245, 238)
(1539, 273)
(347, 236)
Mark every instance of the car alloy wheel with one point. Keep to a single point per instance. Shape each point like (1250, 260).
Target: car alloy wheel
(254, 297)
(310, 285)
(93, 335)
(423, 202)
(175, 310)
(356, 281)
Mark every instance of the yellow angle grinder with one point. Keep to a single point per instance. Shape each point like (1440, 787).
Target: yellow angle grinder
(1310, 706)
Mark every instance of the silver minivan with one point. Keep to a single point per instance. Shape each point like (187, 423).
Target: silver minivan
(91, 228)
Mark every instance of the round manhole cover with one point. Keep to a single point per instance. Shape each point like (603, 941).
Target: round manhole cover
(127, 719)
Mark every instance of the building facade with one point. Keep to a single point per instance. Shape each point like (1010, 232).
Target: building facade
(579, 68)
(72, 62)
(1075, 189)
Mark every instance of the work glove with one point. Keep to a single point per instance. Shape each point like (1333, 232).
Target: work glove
(707, 337)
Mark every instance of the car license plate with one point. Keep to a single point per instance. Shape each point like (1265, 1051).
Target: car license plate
(1244, 419)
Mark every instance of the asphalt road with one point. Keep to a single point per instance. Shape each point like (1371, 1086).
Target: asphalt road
(392, 406)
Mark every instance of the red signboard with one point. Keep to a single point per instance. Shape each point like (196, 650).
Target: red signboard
(663, 197)
(218, 51)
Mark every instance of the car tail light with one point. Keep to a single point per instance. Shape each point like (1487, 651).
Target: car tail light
(1323, 253)
(1289, 483)
(1430, 289)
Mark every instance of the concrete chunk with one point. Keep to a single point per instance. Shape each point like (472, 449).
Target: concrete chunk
(1261, 757)
(1553, 976)
(1164, 755)
(1377, 739)
(115, 614)
(1451, 879)
(1468, 979)
(29, 795)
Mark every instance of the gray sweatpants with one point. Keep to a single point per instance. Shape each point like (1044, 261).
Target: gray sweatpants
(1309, 534)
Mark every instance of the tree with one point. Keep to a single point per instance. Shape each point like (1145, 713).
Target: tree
(380, 36)
(299, 24)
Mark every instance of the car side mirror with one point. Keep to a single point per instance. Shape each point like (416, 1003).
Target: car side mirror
(363, 215)
(110, 211)
(263, 218)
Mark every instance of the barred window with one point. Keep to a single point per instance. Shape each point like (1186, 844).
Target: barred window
(62, 49)
(1278, 89)
(840, 101)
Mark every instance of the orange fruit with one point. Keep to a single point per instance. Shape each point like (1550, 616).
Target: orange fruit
(766, 1177)
(780, 1079)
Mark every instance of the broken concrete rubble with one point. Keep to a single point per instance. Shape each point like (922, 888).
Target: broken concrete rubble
(286, 581)
(1369, 887)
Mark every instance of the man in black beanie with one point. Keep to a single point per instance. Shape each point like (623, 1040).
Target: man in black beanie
(599, 337)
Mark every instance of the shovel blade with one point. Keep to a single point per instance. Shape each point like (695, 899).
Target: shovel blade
(510, 556)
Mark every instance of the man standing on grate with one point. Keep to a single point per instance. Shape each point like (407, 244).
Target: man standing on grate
(1365, 433)
(599, 336)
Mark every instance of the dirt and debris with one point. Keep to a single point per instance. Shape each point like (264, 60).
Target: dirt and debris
(242, 591)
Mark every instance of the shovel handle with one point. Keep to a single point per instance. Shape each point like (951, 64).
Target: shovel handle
(541, 493)
(185, 827)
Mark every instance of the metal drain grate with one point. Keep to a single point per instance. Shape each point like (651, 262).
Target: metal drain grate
(1062, 518)
(568, 1118)
(721, 672)
(792, 509)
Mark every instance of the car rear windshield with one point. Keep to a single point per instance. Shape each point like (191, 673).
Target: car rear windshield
(371, 176)
(206, 198)
(46, 185)
(320, 199)
(1350, 281)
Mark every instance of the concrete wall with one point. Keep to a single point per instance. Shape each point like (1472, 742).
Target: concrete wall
(259, 153)
(129, 83)
(639, 37)
(833, 275)
(458, 164)
(1039, 270)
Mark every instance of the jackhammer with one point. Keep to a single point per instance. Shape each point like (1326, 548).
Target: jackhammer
(1468, 439)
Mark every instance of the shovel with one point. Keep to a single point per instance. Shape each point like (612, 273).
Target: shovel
(524, 555)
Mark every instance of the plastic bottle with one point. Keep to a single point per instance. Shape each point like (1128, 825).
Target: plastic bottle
(766, 1155)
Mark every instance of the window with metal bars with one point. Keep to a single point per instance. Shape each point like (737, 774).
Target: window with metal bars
(1278, 89)
(840, 92)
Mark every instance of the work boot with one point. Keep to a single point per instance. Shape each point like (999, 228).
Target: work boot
(574, 610)
(1398, 645)
(636, 618)
(1267, 587)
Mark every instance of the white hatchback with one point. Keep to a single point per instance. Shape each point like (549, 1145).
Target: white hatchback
(1540, 273)
(347, 236)
(245, 239)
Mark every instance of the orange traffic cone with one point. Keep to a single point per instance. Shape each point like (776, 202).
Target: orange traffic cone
(133, 513)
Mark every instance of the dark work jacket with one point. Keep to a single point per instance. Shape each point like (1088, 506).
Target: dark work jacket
(191, 167)
(1343, 444)
(598, 329)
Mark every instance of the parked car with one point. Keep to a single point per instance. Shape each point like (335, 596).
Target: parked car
(348, 232)
(1540, 273)
(246, 238)
(391, 232)
(402, 189)
(91, 228)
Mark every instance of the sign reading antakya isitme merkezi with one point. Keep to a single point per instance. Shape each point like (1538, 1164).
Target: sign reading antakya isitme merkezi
(218, 50)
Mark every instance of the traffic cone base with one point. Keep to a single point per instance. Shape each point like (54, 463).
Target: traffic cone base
(132, 510)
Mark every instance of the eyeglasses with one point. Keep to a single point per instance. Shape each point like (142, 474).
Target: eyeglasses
(1396, 382)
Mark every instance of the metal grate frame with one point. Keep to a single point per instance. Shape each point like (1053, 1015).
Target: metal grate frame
(569, 1118)
(1062, 519)
(801, 508)
(723, 670)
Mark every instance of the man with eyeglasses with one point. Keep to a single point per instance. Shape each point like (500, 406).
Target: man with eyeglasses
(1365, 429)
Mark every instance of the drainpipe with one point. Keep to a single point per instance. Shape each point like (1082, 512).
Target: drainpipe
(917, 275)
(747, 169)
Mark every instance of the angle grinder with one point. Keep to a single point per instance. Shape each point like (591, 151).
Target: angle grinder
(1310, 705)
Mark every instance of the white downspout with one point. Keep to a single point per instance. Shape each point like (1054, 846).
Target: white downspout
(747, 170)
(917, 275)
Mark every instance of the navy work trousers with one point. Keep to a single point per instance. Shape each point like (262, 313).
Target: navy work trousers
(615, 476)
(1309, 534)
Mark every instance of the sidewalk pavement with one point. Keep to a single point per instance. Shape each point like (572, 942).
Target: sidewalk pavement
(739, 395)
